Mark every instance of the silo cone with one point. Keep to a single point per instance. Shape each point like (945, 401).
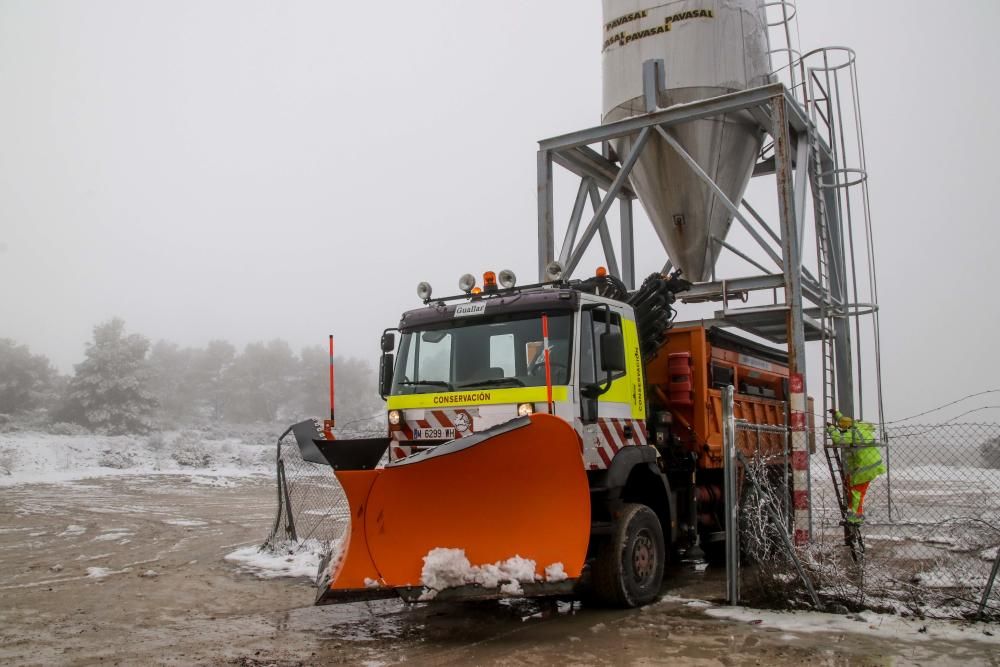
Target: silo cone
(709, 49)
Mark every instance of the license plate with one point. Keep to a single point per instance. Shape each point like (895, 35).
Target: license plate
(434, 434)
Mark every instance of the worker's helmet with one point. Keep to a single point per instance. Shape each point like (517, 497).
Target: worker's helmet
(844, 422)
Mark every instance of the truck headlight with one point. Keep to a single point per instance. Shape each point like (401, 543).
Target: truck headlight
(394, 417)
(525, 409)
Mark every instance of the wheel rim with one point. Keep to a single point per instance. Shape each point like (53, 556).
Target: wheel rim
(643, 557)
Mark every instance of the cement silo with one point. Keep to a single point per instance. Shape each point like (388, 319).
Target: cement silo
(709, 48)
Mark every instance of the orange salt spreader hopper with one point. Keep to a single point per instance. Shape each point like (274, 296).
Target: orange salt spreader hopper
(517, 489)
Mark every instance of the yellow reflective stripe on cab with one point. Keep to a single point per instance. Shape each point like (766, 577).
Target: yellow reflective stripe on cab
(476, 397)
(628, 389)
(620, 391)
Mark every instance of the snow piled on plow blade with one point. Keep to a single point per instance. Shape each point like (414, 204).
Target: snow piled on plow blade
(450, 568)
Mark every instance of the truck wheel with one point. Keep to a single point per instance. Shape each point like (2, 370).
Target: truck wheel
(629, 567)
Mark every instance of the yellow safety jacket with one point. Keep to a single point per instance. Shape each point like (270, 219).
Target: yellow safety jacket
(863, 460)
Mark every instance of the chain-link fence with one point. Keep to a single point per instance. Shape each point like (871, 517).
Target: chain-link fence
(312, 507)
(929, 542)
(932, 522)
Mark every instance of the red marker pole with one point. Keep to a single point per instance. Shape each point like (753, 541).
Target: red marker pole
(548, 364)
(329, 424)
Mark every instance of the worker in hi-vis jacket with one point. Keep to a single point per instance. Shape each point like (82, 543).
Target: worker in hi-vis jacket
(862, 460)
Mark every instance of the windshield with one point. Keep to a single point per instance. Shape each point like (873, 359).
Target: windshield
(504, 351)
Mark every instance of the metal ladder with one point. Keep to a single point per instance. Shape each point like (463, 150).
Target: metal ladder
(832, 452)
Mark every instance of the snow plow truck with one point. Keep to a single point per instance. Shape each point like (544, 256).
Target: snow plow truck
(554, 439)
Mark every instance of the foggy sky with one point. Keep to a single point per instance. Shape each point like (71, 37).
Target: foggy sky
(252, 170)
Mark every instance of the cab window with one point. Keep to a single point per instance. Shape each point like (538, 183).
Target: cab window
(502, 353)
(478, 352)
(591, 327)
(434, 358)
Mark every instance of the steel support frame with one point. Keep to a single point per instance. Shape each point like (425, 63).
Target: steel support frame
(839, 295)
(573, 152)
(781, 117)
(791, 252)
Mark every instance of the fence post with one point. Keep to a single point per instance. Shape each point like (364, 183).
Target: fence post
(989, 586)
(788, 515)
(730, 498)
(888, 474)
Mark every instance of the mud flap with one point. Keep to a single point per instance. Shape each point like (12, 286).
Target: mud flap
(517, 489)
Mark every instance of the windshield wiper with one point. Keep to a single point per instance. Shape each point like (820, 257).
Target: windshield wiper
(495, 382)
(432, 383)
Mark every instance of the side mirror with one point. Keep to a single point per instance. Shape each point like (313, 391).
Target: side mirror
(612, 352)
(388, 342)
(385, 374)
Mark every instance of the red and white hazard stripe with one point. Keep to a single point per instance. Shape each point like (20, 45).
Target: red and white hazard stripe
(402, 435)
(433, 419)
(599, 442)
(608, 439)
(800, 459)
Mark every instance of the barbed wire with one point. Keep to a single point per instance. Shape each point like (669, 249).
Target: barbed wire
(946, 405)
(948, 422)
(821, 417)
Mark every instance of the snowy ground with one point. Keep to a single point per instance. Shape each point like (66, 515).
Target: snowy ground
(144, 551)
(132, 569)
(294, 560)
(41, 457)
(883, 627)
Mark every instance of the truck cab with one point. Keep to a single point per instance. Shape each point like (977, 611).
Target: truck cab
(462, 368)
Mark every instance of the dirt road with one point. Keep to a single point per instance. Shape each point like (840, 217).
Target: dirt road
(130, 571)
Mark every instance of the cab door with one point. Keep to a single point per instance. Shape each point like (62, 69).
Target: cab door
(617, 394)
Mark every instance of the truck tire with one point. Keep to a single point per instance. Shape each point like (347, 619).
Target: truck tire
(628, 571)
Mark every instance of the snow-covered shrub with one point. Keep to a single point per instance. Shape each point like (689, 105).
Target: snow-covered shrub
(191, 457)
(67, 428)
(990, 451)
(118, 459)
(8, 461)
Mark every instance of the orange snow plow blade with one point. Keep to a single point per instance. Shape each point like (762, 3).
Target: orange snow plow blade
(518, 489)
